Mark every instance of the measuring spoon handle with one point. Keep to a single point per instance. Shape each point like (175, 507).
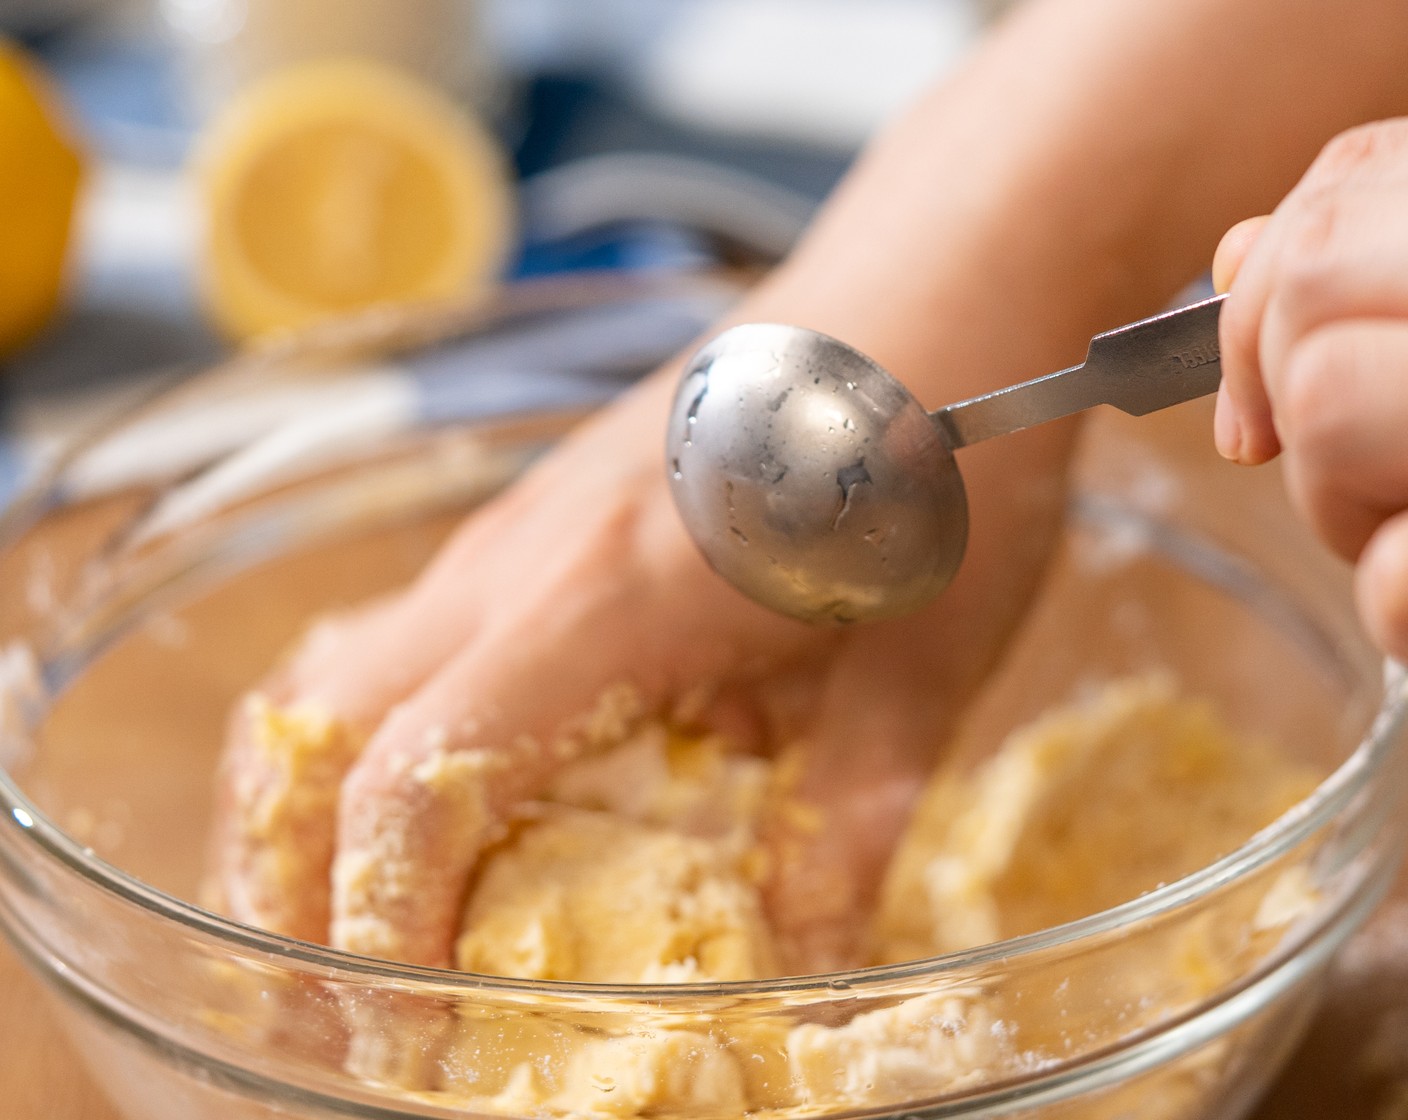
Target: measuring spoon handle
(1138, 368)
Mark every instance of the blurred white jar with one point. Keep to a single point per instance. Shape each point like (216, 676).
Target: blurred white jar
(228, 42)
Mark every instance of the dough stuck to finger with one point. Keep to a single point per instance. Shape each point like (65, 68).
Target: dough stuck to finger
(280, 781)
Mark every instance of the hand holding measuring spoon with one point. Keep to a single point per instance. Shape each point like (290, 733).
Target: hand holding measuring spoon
(1315, 359)
(815, 483)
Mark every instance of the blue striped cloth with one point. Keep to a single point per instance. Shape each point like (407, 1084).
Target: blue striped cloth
(571, 358)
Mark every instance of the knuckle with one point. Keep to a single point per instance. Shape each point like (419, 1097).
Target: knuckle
(1306, 395)
(1349, 151)
(1365, 148)
(1317, 424)
(360, 785)
(376, 780)
(1319, 213)
(1306, 286)
(1309, 236)
(1315, 226)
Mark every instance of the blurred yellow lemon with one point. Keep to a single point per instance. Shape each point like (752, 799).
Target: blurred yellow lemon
(40, 169)
(342, 184)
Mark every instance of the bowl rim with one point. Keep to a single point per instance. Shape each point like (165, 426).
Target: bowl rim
(1332, 795)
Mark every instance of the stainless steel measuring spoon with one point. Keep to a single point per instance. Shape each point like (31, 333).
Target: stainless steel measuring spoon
(816, 484)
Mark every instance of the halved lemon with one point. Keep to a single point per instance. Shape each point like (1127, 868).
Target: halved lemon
(40, 170)
(338, 185)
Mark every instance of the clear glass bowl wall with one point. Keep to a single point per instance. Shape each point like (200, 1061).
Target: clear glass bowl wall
(133, 617)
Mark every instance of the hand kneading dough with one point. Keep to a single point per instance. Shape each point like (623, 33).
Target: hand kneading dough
(642, 865)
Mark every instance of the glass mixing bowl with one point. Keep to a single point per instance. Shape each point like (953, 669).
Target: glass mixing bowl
(138, 601)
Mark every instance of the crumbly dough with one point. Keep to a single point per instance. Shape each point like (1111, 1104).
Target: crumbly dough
(1091, 805)
(592, 897)
(281, 807)
(642, 865)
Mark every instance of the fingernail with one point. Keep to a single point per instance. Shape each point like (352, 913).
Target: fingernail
(1227, 428)
(1232, 250)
